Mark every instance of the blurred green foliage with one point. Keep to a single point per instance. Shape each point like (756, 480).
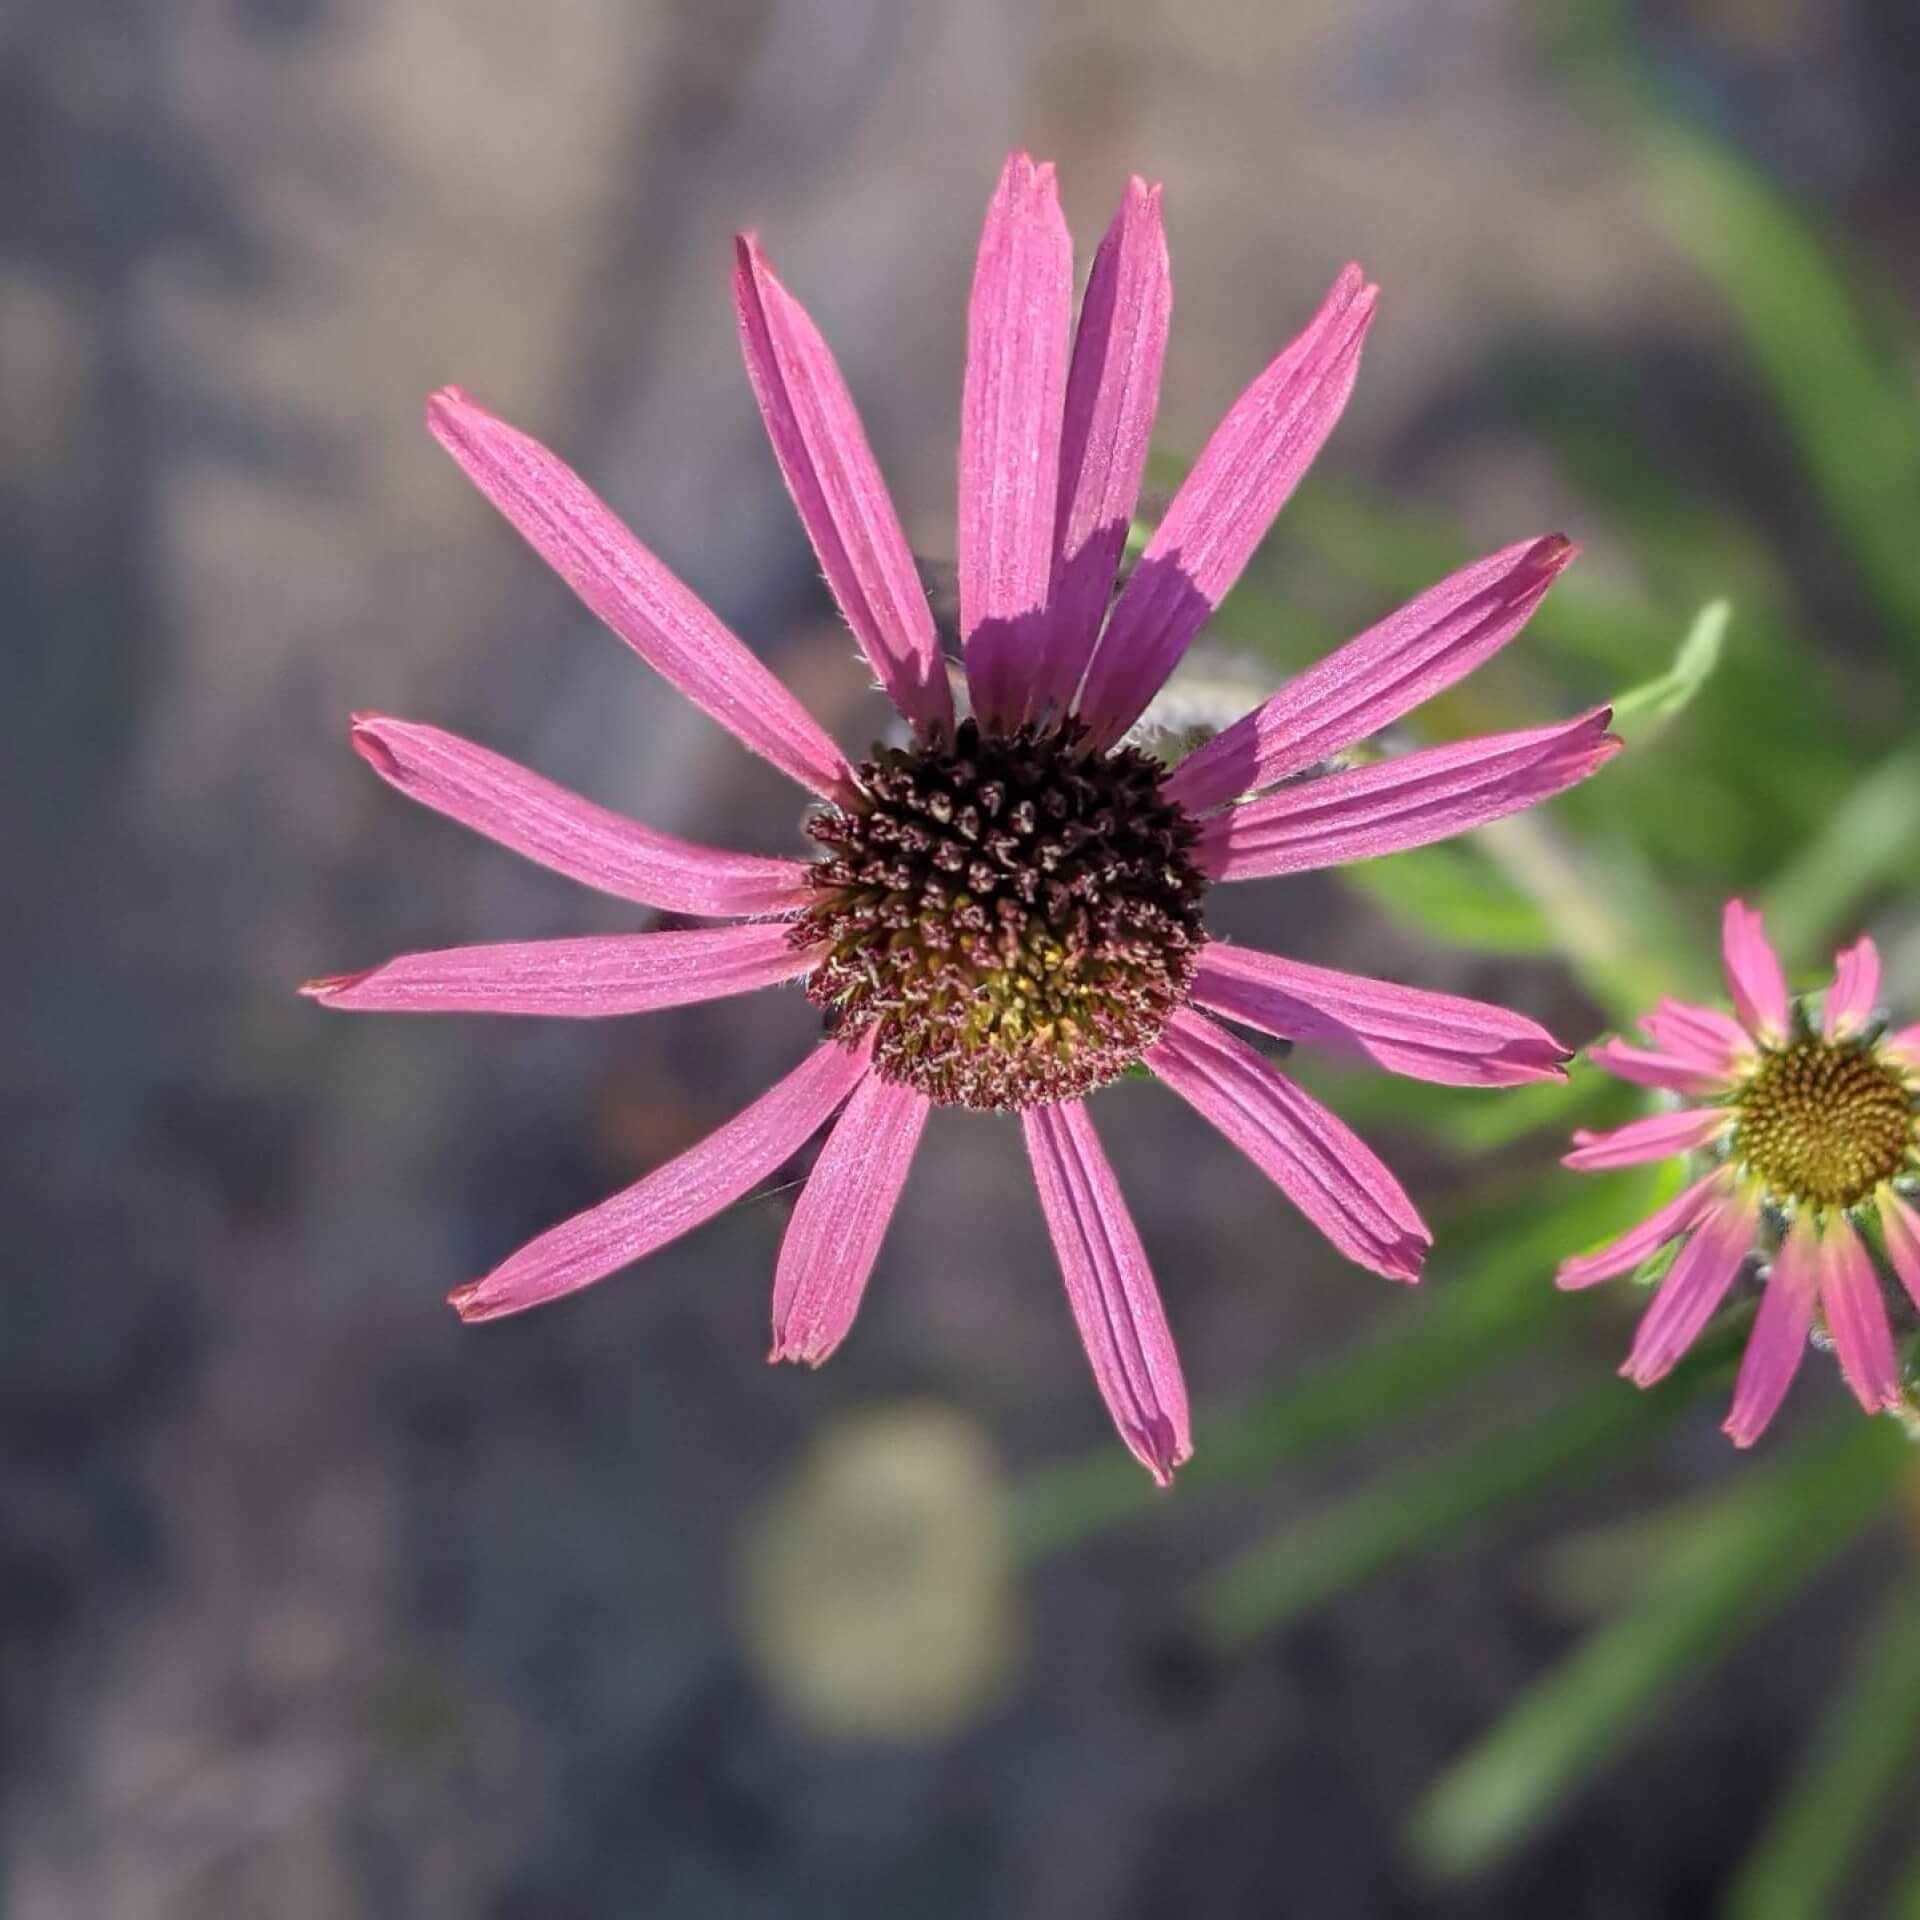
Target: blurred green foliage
(1767, 760)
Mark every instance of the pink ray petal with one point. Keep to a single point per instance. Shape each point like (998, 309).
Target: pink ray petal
(1369, 683)
(1646, 1068)
(1657, 1137)
(1711, 1040)
(836, 485)
(579, 979)
(1010, 420)
(1754, 978)
(1110, 1287)
(841, 1218)
(1319, 1162)
(558, 829)
(1904, 1045)
(1113, 387)
(1855, 989)
(1693, 1289)
(1900, 1227)
(578, 536)
(1427, 1036)
(1856, 1316)
(1409, 801)
(708, 1178)
(1245, 474)
(1779, 1335)
(1641, 1243)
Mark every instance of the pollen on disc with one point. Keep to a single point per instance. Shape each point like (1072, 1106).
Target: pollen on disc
(1015, 919)
(1824, 1125)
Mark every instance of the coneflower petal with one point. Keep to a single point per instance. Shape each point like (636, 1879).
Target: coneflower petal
(1754, 979)
(1646, 1068)
(1010, 417)
(1389, 670)
(1110, 1287)
(1657, 1137)
(1855, 989)
(675, 1198)
(1711, 1040)
(1245, 474)
(1642, 1242)
(1427, 1036)
(1856, 1316)
(1409, 801)
(1692, 1290)
(1113, 388)
(684, 641)
(1779, 1335)
(1316, 1160)
(517, 808)
(585, 978)
(1900, 1227)
(841, 1217)
(836, 486)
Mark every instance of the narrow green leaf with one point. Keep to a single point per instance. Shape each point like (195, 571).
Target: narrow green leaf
(1452, 892)
(1642, 711)
(1433, 1499)
(1857, 420)
(1871, 837)
(1856, 1767)
(1417, 1355)
(1743, 1560)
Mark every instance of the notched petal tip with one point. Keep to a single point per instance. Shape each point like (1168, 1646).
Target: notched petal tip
(328, 987)
(1021, 172)
(1160, 1450)
(1594, 741)
(1352, 303)
(1351, 281)
(445, 405)
(370, 744)
(1404, 1260)
(469, 1301)
(750, 260)
(1544, 1058)
(1407, 1264)
(791, 1353)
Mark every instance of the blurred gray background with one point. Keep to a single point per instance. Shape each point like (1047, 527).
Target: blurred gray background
(315, 1604)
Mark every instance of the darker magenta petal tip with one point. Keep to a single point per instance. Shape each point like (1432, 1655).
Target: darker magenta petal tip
(329, 986)
(371, 747)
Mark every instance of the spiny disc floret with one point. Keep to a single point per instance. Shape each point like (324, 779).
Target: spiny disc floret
(1823, 1124)
(1015, 918)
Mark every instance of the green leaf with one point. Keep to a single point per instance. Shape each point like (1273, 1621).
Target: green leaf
(1871, 837)
(1434, 1499)
(1452, 892)
(1469, 1120)
(1856, 1768)
(1640, 713)
(1421, 1352)
(1745, 1558)
(1857, 420)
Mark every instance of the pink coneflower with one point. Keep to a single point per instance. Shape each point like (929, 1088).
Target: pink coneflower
(1004, 910)
(1814, 1136)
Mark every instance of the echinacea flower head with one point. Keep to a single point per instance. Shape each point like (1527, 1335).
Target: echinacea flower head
(1809, 1130)
(1004, 906)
